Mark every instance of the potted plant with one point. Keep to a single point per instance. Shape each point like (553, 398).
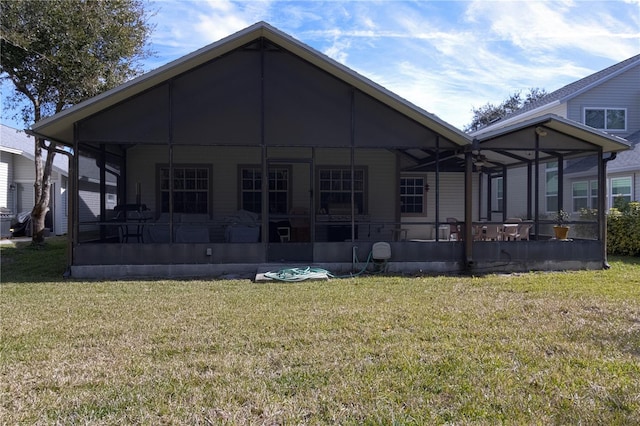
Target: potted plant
(561, 229)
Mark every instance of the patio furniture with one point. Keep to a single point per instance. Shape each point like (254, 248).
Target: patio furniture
(524, 230)
(510, 231)
(493, 233)
(455, 233)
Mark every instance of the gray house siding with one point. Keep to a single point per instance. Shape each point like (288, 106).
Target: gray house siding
(622, 91)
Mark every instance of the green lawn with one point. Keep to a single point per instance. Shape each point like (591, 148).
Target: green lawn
(539, 348)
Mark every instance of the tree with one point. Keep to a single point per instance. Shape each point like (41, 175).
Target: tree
(489, 113)
(60, 52)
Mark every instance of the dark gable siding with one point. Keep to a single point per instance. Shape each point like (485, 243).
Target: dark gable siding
(140, 119)
(219, 103)
(234, 98)
(304, 106)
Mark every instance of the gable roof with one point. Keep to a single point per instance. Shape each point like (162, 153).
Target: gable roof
(16, 142)
(59, 127)
(570, 91)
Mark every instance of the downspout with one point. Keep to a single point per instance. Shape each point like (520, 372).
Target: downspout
(71, 189)
(602, 204)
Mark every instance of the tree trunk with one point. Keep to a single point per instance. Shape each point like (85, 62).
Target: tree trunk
(42, 191)
(41, 185)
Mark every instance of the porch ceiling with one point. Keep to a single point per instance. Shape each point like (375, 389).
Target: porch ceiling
(549, 136)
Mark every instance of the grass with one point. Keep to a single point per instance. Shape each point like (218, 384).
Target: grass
(539, 348)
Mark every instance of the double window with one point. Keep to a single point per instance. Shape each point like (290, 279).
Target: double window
(251, 189)
(614, 119)
(412, 195)
(336, 186)
(191, 189)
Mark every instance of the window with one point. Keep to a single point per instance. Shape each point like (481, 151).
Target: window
(412, 195)
(335, 188)
(190, 189)
(620, 190)
(251, 189)
(580, 195)
(606, 118)
(552, 186)
(584, 195)
(498, 204)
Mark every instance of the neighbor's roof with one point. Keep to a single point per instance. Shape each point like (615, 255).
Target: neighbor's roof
(17, 142)
(59, 127)
(570, 91)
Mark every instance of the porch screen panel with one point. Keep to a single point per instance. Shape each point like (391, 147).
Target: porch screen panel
(141, 119)
(304, 106)
(94, 195)
(219, 102)
(378, 125)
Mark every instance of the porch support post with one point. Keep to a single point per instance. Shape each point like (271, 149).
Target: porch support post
(602, 204)
(529, 182)
(171, 186)
(505, 199)
(468, 211)
(437, 188)
(353, 165)
(536, 185)
(264, 163)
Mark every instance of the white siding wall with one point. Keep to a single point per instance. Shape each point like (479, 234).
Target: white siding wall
(451, 204)
(6, 179)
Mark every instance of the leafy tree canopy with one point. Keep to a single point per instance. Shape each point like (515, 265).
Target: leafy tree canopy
(59, 52)
(489, 113)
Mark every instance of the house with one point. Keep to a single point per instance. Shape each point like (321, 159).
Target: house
(258, 152)
(17, 177)
(608, 100)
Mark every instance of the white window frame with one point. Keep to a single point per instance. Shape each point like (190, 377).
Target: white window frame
(497, 204)
(194, 184)
(611, 195)
(337, 179)
(279, 186)
(591, 195)
(413, 187)
(605, 110)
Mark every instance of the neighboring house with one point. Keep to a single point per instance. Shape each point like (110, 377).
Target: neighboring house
(17, 178)
(258, 152)
(608, 100)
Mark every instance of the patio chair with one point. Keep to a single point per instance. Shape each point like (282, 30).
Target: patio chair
(493, 233)
(524, 230)
(455, 233)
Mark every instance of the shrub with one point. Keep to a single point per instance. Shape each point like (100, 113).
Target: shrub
(623, 230)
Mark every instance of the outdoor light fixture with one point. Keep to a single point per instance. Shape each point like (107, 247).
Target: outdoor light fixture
(541, 132)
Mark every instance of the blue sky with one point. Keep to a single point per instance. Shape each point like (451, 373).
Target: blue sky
(444, 56)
